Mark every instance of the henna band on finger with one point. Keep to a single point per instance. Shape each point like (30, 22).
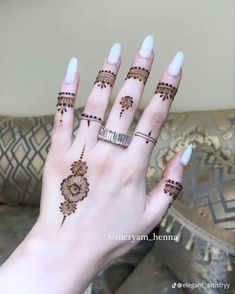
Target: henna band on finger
(147, 138)
(89, 118)
(64, 102)
(139, 73)
(172, 188)
(105, 78)
(166, 91)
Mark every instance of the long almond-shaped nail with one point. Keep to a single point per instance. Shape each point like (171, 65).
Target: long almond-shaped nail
(71, 71)
(146, 47)
(114, 53)
(176, 64)
(185, 157)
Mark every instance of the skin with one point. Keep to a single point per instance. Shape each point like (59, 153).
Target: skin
(54, 259)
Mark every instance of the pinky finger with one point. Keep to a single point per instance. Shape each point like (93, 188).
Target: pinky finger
(169, 187)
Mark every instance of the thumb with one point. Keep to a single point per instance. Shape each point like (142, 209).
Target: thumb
(169, 187)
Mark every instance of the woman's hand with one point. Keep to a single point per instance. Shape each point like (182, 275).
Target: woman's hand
(94, 189)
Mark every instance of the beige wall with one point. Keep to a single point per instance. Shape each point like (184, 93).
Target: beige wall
(37, 38)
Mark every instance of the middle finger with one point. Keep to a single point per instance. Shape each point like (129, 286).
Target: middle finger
(129, 97)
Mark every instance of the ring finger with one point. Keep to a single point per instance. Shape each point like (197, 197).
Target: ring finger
(155, 114)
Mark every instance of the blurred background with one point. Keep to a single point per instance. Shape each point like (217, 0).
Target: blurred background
(39, 37)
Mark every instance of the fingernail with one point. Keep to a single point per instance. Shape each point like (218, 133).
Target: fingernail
(114, 53)
(146, 47)
(71, 71)
(176, 64)
(185, 157)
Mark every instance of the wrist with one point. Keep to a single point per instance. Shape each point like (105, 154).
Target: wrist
(52, 263)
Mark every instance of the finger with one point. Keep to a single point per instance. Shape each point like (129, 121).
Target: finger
(62, 133)
(128, 98)
(98, 100)
(169, 187)
(155, 114)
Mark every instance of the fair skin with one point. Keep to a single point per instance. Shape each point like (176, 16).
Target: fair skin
(64, 259)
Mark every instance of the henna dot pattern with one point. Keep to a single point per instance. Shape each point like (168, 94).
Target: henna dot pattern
(89, 118)
(74, 188)
(125, 102)
(166, 91)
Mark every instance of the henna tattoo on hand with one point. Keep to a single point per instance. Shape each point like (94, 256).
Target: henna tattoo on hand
(64, 102)
(74, 188)
(105, 78)
(137, 72)
(125, 102)
(172, 188)
(90, 118)
(148, 137)
(166, 91)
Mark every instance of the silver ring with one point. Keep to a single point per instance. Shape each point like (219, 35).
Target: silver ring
(114, 137)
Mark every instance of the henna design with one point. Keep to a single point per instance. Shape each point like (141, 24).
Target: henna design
(63, 103)
(125, 102)
(104, 78)
(137, 72)
(90, 118)
(74, 188)
(172, 188)
(148, 137)
(67, 93)
(166, 91)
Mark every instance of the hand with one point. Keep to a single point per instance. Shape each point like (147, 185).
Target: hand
(93, 188)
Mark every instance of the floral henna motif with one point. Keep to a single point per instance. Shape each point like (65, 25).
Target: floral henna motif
(125, 102)
(64, 102)
(105, 78)
(172, 188)
(139, 73)
(79, 167)
(74, 188)
(166, 91)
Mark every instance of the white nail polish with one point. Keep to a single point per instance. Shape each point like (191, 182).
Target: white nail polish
(185, 157)
(114, 53)
(176, 64)
(71, 71)
(146, 47)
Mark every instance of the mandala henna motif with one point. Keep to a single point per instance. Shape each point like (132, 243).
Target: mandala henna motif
(105, 78)
(172, 188)
(74, 188)
(139, 73)
(125, 102)
(64, 102)
(90, 118)
(166, 91)
(148, 137)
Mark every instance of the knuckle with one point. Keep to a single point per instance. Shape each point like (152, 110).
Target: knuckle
(157, 119)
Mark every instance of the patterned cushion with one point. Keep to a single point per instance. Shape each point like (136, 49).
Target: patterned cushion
(23, 147)
(203, 221)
